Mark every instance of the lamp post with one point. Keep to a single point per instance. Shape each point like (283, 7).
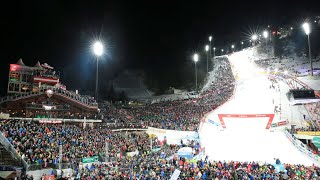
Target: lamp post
(214, 52)
(241, 45)
(221, 51)
(207, 49)
(196, 59)
(210, 39)
(98, 51)
(266, 35)
(306, 28)
(232, 47)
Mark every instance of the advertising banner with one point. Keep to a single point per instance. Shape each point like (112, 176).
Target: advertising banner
(48, 177)
(282, 123)
(50, 121)
(4, 116)
(156, 131)
(221, 116)
(90, 159)
(309, 133)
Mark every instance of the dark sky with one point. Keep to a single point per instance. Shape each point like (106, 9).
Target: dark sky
(146, 35)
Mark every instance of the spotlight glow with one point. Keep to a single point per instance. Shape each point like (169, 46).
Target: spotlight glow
(207, 48)
(195, 57)
(306, 28)
(254, 37)
(98, 48)
(265, 34)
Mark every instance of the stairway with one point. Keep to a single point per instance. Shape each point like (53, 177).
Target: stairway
(6, 159)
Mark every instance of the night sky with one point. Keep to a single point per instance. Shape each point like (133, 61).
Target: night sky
(156, 36)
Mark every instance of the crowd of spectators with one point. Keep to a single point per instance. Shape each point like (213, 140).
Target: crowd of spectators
(39, 144)
(308, 128)
(182, 115)
(161, 168)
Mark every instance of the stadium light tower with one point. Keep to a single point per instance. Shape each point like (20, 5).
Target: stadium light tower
(196, 59)
(98, 51)
(306, 28)
(207, 50)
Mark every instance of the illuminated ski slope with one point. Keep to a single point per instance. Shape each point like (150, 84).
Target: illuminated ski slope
(246, 139)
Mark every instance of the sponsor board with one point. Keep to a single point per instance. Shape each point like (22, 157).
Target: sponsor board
(133, 153)
(156, 131)
(50, 121)
(221, 116)
(4, 116)
(48, 177)
(90, 159)
(173, 136)
(282, 123)
(309, 133)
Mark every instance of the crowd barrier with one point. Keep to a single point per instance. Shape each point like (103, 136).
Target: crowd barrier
(302, 147)
(34, 167)
(173, 136)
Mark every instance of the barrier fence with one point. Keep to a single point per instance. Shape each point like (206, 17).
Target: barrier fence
(302, 147)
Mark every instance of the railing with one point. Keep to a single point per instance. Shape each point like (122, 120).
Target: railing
(129, 127)
(302, 147)
(54, 107)
(75, 97)
(34, 167)
(8, 146)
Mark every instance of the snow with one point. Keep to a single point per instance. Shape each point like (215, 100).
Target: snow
(247, 139)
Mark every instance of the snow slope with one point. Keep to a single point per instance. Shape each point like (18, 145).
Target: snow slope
(246, 139)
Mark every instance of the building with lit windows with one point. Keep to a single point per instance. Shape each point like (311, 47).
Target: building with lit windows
(36, 92)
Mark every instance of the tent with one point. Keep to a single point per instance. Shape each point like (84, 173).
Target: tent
(185, 152)
(316, 141)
